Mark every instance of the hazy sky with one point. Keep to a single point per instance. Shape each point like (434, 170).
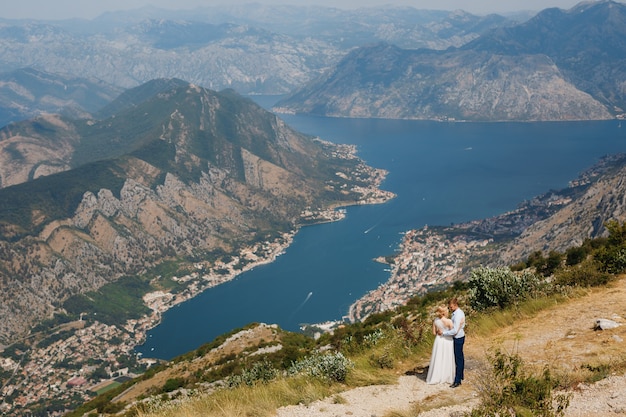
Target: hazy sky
(60, 9)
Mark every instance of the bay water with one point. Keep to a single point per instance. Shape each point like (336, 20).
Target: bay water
(442, 173)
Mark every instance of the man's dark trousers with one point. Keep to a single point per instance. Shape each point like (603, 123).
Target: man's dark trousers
(459, 359)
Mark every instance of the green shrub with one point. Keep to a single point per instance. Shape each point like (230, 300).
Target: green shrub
(173, 384)
(617, 233)
(262, 371)
(612, 259)
(575, 255)
(585, 274)
(499, 287)
(328, 366)
(553, 262)
(511, 391)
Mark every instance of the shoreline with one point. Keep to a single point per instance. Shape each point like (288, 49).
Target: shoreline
(425, 259)
(335, 212)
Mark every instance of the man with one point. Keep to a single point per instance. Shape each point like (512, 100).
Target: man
(457, 331)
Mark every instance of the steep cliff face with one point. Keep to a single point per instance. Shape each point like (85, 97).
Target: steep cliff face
(528, 72)
(183, 174)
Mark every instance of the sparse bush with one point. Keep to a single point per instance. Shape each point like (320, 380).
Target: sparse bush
(173, 384)
(328, 366)
(512, 391)
(412, 331)
(598, 372)
(373, 338)
(499, 287)
(382, 360)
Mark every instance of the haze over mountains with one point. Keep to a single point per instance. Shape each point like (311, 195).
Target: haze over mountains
(559, 65)
(387, 62)
(26, 93)
(252, 48)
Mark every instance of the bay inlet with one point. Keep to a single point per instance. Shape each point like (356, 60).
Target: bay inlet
(441, 172)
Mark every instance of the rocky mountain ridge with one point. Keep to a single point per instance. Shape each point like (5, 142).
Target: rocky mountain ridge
(188, 174)
(526, 72)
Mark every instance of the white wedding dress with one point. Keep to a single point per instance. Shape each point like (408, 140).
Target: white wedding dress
(441, 368)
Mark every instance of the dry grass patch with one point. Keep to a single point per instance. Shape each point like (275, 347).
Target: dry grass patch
(260, 400)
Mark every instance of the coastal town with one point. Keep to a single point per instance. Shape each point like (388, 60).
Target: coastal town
(426, 260)
(89, 358)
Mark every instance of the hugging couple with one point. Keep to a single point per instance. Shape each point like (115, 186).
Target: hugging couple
(447, 361)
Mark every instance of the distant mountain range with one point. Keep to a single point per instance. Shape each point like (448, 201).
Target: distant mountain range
(172, 172)
(559, 65)
(251, 48)
(376, 62)
(26, 93)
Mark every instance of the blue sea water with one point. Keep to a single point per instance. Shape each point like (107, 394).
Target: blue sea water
(442, 173)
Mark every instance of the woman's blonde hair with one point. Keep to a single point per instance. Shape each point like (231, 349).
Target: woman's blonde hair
(442, 311)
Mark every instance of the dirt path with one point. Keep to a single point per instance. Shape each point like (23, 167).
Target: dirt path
(562, 336)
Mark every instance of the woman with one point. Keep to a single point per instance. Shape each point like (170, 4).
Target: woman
(441, 368)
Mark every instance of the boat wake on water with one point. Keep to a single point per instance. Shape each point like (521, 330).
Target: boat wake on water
(301, 305)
